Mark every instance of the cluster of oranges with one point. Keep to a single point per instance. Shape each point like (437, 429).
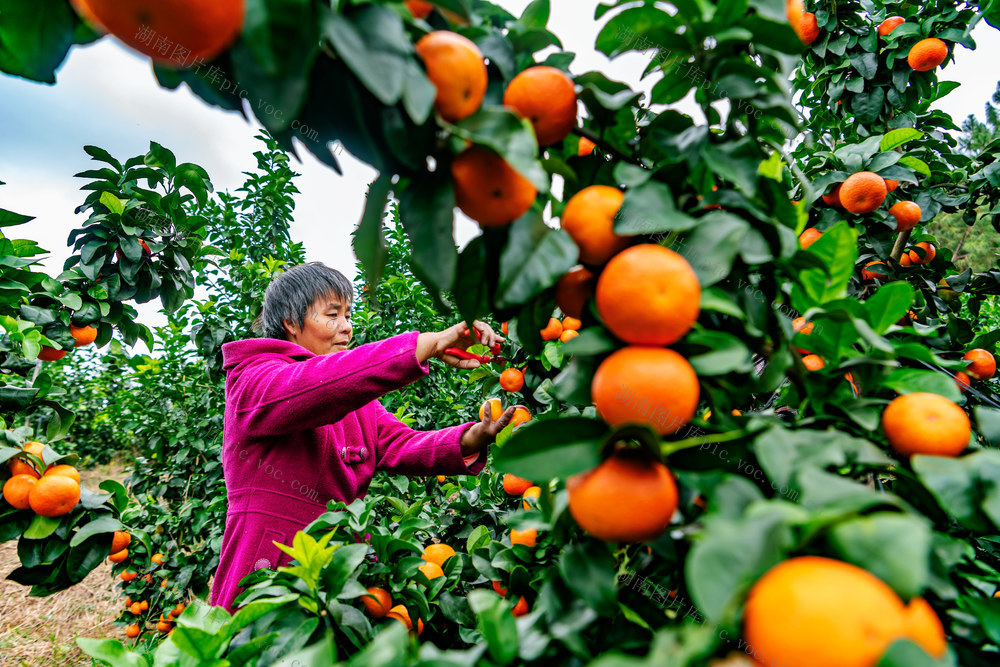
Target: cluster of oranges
(521, 414)
(51, 491)
(119, 553)
(81, 335)
(564, 330)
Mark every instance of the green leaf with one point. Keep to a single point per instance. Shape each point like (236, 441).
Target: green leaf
(838, 249)
(35, 37)
(511, 137)
(905, 653)
(479, 537)
(534, 258)
(8, 218)
(588, 569)
(110, 651)
(104, 524)
(369, 239)
(887, 305)
(543, 449)
(987, 612)
(649, 209)
(916, 164)
(41, 527)
(373, 43)
(726, 353)
(426, 212)
(906, 567)
(895, 138)
(910, 380)
(496, 625)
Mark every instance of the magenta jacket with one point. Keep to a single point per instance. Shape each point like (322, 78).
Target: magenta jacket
(301, 430)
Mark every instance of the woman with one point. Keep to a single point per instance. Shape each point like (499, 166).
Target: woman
(303, 424)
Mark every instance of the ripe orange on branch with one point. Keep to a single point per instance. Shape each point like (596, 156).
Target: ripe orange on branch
(890, 24)
(891, 185)
(833, 199)
(118, 556)
(552, 330)
(963, 381)
(455, 66)
(545, 96)
(568, 335)
(514, 485)
(120, 540)
(531, 492)
(907, 214)
(648, 295)
(66, 470)
(420, 10)
(863, 192)
(431, 570)
(438, 553)
(630, 497)
(528, 538)
(83, 335)
(586, 146)
(927, 54)
(813, 362)
(49, 353)
(573, 290)
(401, 614)
(521, 416)
(496, 409)
(924, 255)
(377, 603)
(925, 423)
(193, 28)
(982, 364)
(880, 274)
(54, 495)
(589, 219)
(654, 386)
(511, 379)
(17, 490)
(809, 236)
(489, 190)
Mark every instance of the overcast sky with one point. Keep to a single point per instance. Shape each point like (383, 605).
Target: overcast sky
(107, 96)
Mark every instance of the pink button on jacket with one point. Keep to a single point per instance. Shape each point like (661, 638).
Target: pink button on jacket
(301, 430)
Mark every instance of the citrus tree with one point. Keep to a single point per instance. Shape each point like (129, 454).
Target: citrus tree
(676, 515)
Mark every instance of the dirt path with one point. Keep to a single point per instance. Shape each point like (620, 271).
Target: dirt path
(40, 631)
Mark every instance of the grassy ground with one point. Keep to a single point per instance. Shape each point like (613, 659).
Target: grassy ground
(40, 632)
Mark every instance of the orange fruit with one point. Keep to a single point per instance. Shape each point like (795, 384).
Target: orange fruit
(132, 631)
(891, 185)
(200, 29)
(521, 416)
(863, 192)
(528, 538)
(498, 587)
(54, 495)
(19, 466)
(823, 613)
(379, 605)
(455, 66)
(545, 96)
(136, 608)
(157, 558)
(881, 274)
(568, 335)
(922, 626)
(48, 353)
(586, 146)
(571, 324)
(809, 236)
(907, 214)
(530, 492)
(128, 576)
(833, 199)
(128, 602)
(148, 578)
(431, 570)
(904, 259)
(927, 256)
(630, 497)
(441, 479)
(120, 540)
(420, 10)
(503, 328)
(34, 447)
(629, 386)
(163, 626)
(807, 29)
(589, 219)
(17, 491)
(66, 470)
(927, 54)
(438, 553)
(83, 335)
(799, 325)
(552, 330)
(489, 190)
(144, 605)
(963, 381)
(890, 24)
(496, 409)
(179, 609)
(118, 556)
(514, 485)
(521, 608)
(401, 614)
(982, 365)
(925, 423)
(573, 291)
(511, 379)
(813, 362)
(648, 295)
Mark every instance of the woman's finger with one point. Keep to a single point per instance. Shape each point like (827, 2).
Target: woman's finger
(465, 364)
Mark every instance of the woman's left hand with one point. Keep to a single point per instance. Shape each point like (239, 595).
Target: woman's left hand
(481, 434)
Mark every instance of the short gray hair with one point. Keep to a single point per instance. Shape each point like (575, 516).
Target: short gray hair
(292, 292)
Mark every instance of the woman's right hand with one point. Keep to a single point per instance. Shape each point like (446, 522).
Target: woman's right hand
(457, 336)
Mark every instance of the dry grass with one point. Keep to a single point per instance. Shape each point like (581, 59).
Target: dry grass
(40, 631)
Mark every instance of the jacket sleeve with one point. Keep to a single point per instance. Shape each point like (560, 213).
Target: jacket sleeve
(274, 396)
(402, 450)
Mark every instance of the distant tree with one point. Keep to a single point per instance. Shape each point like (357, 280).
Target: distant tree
(977, 135)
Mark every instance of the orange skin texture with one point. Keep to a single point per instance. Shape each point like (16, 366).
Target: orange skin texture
(552, 330)
(927, 54)
(157, 558)
(503, 328)
(891, 185)
(132, 631)
(521, 416)
(420, 10)
(547, 97)
(511, 379)
(54, 495)
(128, 576)
(574, 289)
(568, 335)
(204, 27)
(431, 570)
(531, 492)
(589, 219)
(118, 556)
(496, 409)
(982, 364)
(17, 491)
(963, 381)
(571, 324)
(629, 387)
(401, 614)
(808, 31)
(907, 214)
(514, 485)
(48, 353)
(528, 538)
(83, 335)
(870, 275)
(627, 498)
(648, 295)
(489, 190)
(799, 325)
(833, 199)
(455, 66)
(904, 259)
(928, 255)
(823, 613)
(378, 606)
(521, 608)
(922, 626)
(498, 587)
(438, 553)
(863, 192)
(68, 471)
(925, 423)
(809, 236)
(890, 24)
(586, 146)
(813, 362)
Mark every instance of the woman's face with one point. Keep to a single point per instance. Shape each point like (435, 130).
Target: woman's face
(327, 328)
